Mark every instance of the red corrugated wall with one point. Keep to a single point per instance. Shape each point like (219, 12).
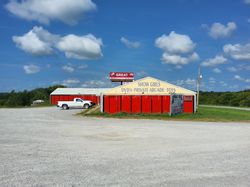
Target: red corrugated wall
(188, 104)
(166, 104)
(55, 98)
(106, 103)
(126, 104)
(143, 104)
(136, 104)
(156, 104)
(146, 104)
(113, 104)
(71, 97)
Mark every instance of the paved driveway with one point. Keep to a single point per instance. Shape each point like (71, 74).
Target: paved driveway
(52, 147)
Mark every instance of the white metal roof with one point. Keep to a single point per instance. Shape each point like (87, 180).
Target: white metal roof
(79, 91)
(148, 86)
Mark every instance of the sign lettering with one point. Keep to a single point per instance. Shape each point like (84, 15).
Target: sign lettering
(149, 87)
(121, 76)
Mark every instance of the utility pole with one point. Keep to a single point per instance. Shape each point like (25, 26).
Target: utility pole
(198, 86)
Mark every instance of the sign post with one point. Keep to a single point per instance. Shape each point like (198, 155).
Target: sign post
(198, 86)
(121, 77)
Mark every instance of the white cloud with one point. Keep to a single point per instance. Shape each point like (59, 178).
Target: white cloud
(223, 84)
(39, 41)
(179, 60)
(44, 11)
(238, 51)
(96, 84)
(70, 82)
(232, 69)
(218, 30)
(194, 57)
(36, 42)
(218, 59)
(178, 67)
(68, 68)
(141, 74)
(247, 1)
(188, 83)
(211, 80)
(175, 43)
(130, 44)
(244, 67)
(178, 49)
(237, 77)
(191, 82)
(216, 70)
(234, 87)
(240, 67)
(174, 59)
(31, 69)
(86, 47)
(204, 26)
(83, 66)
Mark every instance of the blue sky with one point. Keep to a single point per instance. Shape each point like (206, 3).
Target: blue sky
(78, 42)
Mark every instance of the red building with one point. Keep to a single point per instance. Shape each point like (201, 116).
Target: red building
(147, 95)
(68, 94)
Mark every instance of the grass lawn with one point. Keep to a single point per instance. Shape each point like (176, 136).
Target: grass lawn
(204, 114)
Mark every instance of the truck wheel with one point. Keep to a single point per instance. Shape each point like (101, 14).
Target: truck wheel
(86, 106)
(65, 107)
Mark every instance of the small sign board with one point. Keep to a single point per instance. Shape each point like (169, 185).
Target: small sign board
(176, 104)
(121, 76)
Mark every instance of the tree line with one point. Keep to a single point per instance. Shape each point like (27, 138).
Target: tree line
(25, 98)
(239, 99)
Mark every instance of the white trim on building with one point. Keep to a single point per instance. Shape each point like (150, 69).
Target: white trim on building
(79, 91)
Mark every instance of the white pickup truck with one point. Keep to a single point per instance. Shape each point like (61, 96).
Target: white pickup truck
(76, 103)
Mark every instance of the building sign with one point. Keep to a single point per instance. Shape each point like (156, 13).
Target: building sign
(188, 98)
(176, 105)
(121, 76)
(146, 87)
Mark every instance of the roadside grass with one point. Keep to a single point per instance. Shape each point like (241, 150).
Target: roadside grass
(204, 114)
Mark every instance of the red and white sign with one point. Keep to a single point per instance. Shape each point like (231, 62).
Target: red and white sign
(121, 76)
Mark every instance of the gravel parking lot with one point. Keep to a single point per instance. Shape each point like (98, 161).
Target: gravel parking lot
(52, 147)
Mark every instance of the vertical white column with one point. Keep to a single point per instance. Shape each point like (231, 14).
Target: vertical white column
(101, 103)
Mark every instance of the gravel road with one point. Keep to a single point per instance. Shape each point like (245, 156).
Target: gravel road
(52, 147)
